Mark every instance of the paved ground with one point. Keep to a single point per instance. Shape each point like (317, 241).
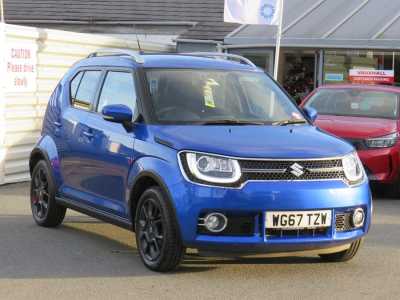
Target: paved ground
(87, 259)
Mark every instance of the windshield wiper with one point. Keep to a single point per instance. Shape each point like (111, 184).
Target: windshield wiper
(231, 122)
(289, 122)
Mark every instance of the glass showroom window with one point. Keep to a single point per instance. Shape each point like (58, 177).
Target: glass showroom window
(339, 63)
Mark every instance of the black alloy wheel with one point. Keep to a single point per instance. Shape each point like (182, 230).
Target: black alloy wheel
(40, 195)
(157, 232)
(151, 231)
(45, 211)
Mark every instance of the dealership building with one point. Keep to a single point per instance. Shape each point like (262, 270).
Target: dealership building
(324, 41)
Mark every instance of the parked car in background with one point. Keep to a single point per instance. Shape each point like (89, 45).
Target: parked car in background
(190, 151)
(368, 118)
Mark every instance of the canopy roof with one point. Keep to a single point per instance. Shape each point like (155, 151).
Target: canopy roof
(329, 24)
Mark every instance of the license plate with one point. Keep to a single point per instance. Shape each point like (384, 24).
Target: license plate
(298, 219)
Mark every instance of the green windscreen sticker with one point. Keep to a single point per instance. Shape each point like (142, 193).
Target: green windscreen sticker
(208, 93)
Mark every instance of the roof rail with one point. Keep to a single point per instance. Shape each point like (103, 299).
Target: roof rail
(118, 52)
(222, 55)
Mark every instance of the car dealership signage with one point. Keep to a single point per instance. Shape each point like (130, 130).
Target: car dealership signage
(20, 67)
(371, 76)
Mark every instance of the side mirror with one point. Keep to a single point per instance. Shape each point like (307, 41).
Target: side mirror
(311, 113)
(117, 113)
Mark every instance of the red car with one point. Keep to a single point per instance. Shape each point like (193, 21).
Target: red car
(368, 118)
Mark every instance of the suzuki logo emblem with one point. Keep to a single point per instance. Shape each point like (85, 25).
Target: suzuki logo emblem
(297, 170)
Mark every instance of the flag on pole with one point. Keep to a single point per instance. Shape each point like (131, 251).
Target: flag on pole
(257, 12)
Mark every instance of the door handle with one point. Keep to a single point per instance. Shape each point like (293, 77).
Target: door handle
(58, 124)
(88, 134)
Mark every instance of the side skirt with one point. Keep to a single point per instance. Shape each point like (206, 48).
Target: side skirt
(95, 213)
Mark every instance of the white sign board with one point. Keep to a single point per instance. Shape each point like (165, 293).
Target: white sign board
(20, 67)
(371, 76)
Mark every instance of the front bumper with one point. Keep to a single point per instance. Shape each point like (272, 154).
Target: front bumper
(382, 165)
(255, 199)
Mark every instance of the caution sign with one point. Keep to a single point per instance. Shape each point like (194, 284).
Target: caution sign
(20, 64)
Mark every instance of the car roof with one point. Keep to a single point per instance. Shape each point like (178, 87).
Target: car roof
(171, 61)
(371, 87)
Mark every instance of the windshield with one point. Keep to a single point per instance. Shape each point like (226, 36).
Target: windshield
(355, 102)
(210, 96)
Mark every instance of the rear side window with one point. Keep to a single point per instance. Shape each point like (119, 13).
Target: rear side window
(118, 88)
(83, 89)
(75, 84)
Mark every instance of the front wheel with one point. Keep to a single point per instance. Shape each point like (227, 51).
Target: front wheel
(45, 210)
(343, 256)
(157, 234)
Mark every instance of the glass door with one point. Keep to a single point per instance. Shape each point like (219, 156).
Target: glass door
(263, 58)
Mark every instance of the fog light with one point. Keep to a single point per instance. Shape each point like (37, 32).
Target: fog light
(215, 222)
(358, 218)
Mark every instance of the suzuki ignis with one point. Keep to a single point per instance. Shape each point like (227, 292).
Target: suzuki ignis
(201, 151)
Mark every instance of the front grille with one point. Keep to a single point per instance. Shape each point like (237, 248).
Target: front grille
(343, 222)
(292, 169)
(274, 170)
(300, 233)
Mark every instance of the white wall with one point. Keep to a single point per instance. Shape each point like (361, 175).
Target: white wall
(21, 113)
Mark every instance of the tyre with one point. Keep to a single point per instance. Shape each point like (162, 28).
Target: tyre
(157, 233)
(343, 255)
(392, 190)
(45, 210)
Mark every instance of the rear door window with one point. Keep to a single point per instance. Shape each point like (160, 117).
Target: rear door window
(75, 84)
(83, 89)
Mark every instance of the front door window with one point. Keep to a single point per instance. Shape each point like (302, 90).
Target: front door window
(118, 88)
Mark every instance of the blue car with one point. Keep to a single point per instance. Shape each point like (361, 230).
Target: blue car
(200, 150)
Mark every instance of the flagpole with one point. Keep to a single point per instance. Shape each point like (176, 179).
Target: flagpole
(2, 11)
(278, 40)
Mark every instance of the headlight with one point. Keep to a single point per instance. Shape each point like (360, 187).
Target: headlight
(383, 142)
(353, 168)
(211, 169)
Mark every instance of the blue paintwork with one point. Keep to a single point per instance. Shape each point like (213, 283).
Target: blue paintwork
(117, 113)
(311, 113)
(254, 141)
(261, 197)
(101, 169)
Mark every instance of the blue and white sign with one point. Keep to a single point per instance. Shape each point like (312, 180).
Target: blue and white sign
(258, 12)
(267, 11)
(336, 77)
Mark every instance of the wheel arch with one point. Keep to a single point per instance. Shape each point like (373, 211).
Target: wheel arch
(145, 180)
(46, 150)
(37, 155)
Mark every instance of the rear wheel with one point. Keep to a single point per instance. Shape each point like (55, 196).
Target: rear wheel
(343, 255)
(45, 211)
(157, 235)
